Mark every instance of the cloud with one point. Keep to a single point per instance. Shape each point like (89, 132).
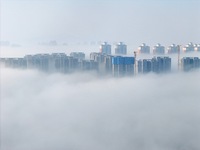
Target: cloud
(83, 112)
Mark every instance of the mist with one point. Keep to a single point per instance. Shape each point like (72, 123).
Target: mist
(29, 22)
(83, 112)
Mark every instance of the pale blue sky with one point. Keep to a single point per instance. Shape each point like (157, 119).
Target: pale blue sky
(131, 21)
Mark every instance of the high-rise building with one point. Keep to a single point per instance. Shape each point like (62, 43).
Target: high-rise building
(105, 48)
(88, 65)
(79, 55)
(122, 66)
(161, 64)
(147, 65)
(173, 49)
(104, 62)
(139, 62)
(2, 62)
(14, 62)
(38, 61)
(44, 62)
(29, 60)
(93, 65)
(156, 64)
(97, 57)
(121, 49)
(73, 64)
(189, 47)
(144, 49)
(108, 64)
(159, 49)
(189, 63)
(59, 62)
(196, 62)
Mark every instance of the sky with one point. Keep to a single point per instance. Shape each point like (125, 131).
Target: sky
(74, 22)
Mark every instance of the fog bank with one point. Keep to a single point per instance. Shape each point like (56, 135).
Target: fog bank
(82, 112)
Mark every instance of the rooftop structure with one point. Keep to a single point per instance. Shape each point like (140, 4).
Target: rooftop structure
(144, 49)
(159, 49)
(105, 48)
(189, 47)
(14, 62)
(79, 55)
(173, 49)
(121, 49)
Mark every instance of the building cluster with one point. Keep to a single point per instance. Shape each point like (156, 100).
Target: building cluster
(160, 50)
(190, 47)
(121, 49)
(156, 64)
(78, 55)
(122, 66)
(190, 63)
(144, 49)
(103, 62)
(173, 49)
(55, 62)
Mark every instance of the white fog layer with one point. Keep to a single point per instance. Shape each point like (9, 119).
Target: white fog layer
(82, 112)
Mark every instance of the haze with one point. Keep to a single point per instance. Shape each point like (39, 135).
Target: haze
(77, 24)
(82, 111)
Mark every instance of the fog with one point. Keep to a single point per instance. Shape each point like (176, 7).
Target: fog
(83, 112)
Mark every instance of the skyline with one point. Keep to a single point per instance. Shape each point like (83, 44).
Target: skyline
(105, 63)
(133, 97)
